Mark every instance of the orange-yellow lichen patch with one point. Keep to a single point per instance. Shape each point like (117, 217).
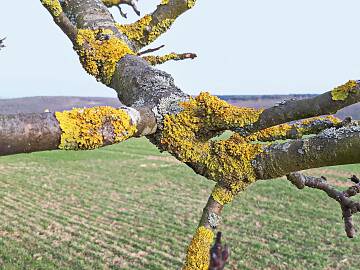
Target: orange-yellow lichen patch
(296, 130)
(186, 135)
(331, 118)
(275, 132)
(53, 6)
(191, 3)
(222, 195)
(164, 2)
(343, 91)
(84, 128)
(198, 253)
(99, 51)
(143, 31)
(158, 60)
(159, 29)
(137, 30)
(110, 3)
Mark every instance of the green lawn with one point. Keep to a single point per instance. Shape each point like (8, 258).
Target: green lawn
(130, 207)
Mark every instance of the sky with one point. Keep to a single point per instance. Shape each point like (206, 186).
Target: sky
(244, 48)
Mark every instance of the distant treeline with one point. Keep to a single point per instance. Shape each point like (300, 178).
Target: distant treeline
(52, 104)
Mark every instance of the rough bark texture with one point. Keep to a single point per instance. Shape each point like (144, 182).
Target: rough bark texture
(23, 133)
(108, 51)
(329, 148)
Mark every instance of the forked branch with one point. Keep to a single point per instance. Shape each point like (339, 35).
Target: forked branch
(348, 206)
(117, 3)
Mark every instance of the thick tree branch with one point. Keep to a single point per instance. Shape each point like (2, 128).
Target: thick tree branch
(292, 110)
(331, 147)
(348, 206)
(22, 133)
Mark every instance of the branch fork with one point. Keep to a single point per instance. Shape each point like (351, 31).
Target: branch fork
(348, 206)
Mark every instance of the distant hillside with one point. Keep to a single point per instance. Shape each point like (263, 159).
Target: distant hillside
(40, 104)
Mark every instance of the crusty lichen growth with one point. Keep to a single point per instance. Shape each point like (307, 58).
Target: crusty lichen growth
(186, 135)
(198, 253)
(343, 91)
(159, 29)
(164, 2)
(53, 6)
(297, 130)
(191, 3)
(222, 194)
(158, 60)
(137, 30)
(110, 3)
(144, 31)
(99, 51)
(85, 128)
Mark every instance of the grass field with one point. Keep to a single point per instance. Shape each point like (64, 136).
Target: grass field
(130, 207)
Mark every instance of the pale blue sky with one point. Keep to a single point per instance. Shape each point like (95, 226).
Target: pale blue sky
(244, 47)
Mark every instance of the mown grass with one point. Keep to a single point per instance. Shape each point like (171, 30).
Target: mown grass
(130, 207)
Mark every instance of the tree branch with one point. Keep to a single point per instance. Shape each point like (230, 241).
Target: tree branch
(117, 3)
(292, 110)
(158, 60)
(348, 206)
(331, 147)
(151, 26)
(75, 129)
(298, 130)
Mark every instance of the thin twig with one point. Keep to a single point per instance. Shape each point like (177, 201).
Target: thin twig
(150, 50)
(219, 254)
(348, 206)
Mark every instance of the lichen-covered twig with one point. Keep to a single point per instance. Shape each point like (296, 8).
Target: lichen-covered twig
(55, 9)
(299, 129)
(158, 60)
(198, 253)
(348, 206)
(219, 254)
(117, 3)
(291, 110)
(151, 26)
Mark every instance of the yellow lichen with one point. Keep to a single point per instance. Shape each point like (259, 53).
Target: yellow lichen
(164, 2)
(84, 128)
(136, 31)
(286, 131)
(198, 253)
(159, 29)
(222, 195)
(277, 132)
(110, 3)
(157, 60)
(143, 31)
(99, 51)
(53, 6)
(343, 91)
(186, 135)
(191, 3)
